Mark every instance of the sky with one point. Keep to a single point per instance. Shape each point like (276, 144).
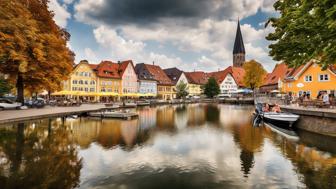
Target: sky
(192, 35)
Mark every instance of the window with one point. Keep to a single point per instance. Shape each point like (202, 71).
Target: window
(86, 89)
(92, 82)
(74, 82)
(74, 88)
(86, 82)
(81, 82)
(102, 90)
(92, 89)
(308, 78)
(323, 77)
(289, 85)
(81, 74)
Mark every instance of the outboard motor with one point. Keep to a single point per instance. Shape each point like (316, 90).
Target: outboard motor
(257, 118)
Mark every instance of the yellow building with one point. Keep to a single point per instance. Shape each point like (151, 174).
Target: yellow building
(166, 92)
(310, 78)
(82, 82)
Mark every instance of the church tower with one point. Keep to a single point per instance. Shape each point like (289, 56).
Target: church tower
(238, 49)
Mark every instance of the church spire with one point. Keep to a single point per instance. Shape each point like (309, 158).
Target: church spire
(238, 49)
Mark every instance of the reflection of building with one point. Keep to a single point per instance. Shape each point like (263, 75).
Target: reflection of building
(165, 116)
(147, 118)
(196, 115)
(129, 131)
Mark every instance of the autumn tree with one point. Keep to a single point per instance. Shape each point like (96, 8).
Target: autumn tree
(211, 88)
(305, 30)
(33, 49)
(182, 90)
(254, 74)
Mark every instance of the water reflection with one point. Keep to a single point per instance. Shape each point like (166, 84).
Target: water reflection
(187, 146)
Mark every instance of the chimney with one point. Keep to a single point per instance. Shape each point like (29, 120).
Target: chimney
(153, 63)
(118, 61)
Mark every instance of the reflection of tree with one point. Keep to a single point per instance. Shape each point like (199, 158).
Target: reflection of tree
(247, 161)
(250, 140)
(318, 169)
(39, 161)
(212, 113)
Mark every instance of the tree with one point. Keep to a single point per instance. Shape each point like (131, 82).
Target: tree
(182, 90)
(33, 49)
(5, 87)
(305, 30)
(211, 88)
(254, 74)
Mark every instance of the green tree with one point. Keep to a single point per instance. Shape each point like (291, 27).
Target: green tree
(305, 30)
(211, 88)
(5, 87)
(182, 90)
(33, 49)
(254, 74)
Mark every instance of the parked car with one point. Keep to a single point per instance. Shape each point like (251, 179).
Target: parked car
(8, 104)
(36, 103)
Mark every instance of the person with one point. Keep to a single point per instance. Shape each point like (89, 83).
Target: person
(319, 96)
(326, 98)
(266, 108)
(276, 108)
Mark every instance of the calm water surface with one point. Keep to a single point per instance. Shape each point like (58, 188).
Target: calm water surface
(194, 146)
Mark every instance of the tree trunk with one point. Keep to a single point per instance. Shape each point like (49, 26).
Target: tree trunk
(20, 89)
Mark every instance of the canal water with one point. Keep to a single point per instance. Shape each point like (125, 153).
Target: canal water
(184, 146)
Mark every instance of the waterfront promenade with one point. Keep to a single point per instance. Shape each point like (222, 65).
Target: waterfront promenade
(46, 112)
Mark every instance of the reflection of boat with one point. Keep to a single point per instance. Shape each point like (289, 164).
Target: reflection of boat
(282, 119)
(288, 133)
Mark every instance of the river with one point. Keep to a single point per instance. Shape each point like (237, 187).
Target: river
(182, 146)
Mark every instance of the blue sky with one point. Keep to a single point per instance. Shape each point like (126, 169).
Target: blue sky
(188, 34)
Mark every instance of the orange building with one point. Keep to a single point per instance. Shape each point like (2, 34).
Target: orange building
(310, 78)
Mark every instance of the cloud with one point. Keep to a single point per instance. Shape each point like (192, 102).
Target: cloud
(207, 31)
(61, 14)
(150, 12)
(91, 55)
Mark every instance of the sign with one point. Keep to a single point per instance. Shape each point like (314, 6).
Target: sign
(300, 85)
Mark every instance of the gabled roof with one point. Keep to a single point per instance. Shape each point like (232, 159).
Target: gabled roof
(280, 71)
(143, 73)
(156, 73)
(198, 78)
(123, 65)
(239, 43)
(236, 72)
(174, 74)
(108, 69)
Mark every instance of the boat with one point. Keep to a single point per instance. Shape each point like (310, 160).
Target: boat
(142, 103)
(114, 114)
(112, 105)
(130, 105)
(280, 119)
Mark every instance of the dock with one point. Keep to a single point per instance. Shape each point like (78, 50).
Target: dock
(114, 115)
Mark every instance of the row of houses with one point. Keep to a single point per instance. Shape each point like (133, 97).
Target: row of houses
(111, 80)
(309, 78)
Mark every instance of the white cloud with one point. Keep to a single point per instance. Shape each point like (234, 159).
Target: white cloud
(211, 38)
(91, 55)
(61, 14)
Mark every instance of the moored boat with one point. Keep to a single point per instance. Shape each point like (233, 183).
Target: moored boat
(280, 119)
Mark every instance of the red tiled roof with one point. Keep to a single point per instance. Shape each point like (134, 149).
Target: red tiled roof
(236, 72)
(199, 78)
(93, 66)
(280, 71)
(108, 69)
(295, 71)
(158, 74)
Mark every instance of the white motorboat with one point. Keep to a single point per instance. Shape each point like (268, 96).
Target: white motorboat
(281, 119)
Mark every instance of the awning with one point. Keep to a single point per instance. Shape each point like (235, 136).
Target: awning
(107, 94)
(146, 94)
(59, 93)
(130, 94)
